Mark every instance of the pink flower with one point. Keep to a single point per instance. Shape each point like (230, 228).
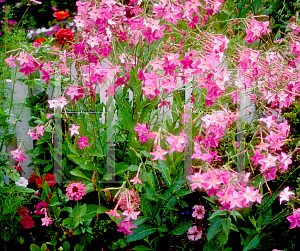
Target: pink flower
(194, 234)
(46, 221)
(11, 61)
(83, 142)
(125, 227)
(130, 213)
(27, 221)
(74, 129)
(141, 128)
(294, 219)
(136, 180)
(114, 213)
(285, 194)
(18, 155)
(35, 1)
(199, 212)
(75, 191)
(159, 153)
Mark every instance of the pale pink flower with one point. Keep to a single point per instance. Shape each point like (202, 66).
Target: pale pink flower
(130, 213)
(136, 180)
(114, 213)
(199, 212)
(194, 234)
(74, 129)
(46, 221)
(285, 194)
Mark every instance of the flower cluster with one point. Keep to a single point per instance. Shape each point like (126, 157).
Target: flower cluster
(75, 191)
(64, 36)
(256, 30)
(18, 155)
(36, 132)
(61, 15)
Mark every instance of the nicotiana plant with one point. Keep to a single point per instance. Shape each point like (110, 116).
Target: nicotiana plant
(174, 90)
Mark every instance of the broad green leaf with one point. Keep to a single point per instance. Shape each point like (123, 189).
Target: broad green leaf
(251, 242)
(34, 247)
(214, 228)
(163, 168)
(140, 232)
(82, 210)
(141, 248)
(82, 162)
(76, 172)
(233, 227)
(217, 213)
(226, 224)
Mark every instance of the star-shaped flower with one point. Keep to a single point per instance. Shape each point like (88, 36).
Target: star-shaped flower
(159, 153)
(74, 129)
(284, 195)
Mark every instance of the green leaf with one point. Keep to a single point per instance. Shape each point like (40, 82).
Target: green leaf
(76, 172)
(102, 210)
(251, 242)
(140, 232)
(68, 209)
(226, 224)
(24, 189)
(77, 231)
(209, 199)
(182, 227)
(15, 176)
(141, 248)
(34, 247)
(139, 220)
(162, 167)
(82, 210)
(66, 246)
(146, 206)
(44, 247)
(214, 228)
(217, 213)
(82, 162)
(233, 227)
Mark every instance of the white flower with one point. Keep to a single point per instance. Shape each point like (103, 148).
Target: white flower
(22, 182)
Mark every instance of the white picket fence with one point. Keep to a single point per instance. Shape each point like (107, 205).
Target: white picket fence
(21, 92)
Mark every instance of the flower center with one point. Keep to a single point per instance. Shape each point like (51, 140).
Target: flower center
(75, 189)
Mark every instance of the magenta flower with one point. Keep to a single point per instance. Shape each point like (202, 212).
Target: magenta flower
(75, 191)
(294, 219)
(18, 155)
(83, 142)
(141, 128)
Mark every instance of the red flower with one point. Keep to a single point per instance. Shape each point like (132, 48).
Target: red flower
(39, 40)
(22, 211)
(64, 36)
(33, 178)
(27, 221)
(49, 177)
(61, 15)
